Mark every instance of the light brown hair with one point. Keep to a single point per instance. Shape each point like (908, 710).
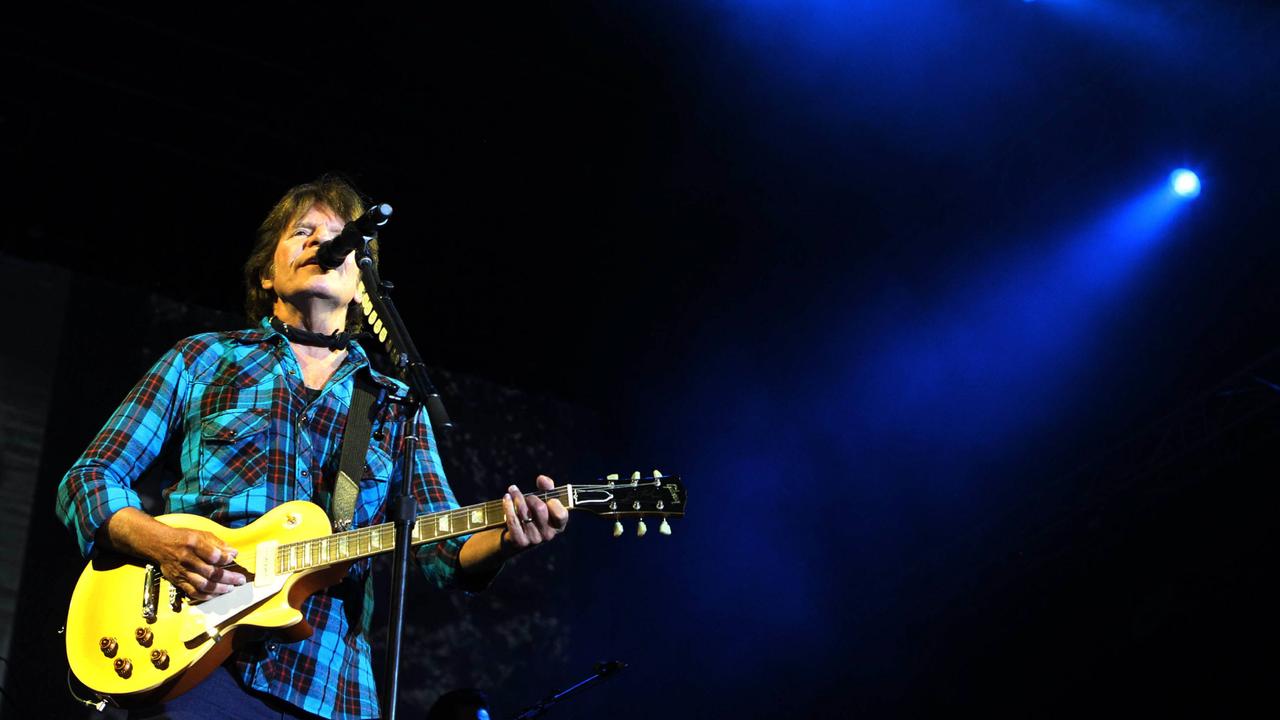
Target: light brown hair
(331, 191)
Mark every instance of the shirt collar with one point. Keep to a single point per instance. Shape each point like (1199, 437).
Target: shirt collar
(264, 333)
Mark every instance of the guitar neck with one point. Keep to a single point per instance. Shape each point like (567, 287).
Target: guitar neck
(378, 539)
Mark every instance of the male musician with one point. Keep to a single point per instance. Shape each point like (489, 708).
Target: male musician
(254, 418)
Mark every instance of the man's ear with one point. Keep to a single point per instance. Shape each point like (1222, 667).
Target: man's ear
(267, 282)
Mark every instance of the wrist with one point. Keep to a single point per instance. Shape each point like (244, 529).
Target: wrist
(506, 548)
(486, 551)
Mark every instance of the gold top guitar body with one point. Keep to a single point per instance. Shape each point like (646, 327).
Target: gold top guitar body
(130, 633)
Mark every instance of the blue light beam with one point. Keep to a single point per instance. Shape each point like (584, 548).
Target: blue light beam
(980, 361)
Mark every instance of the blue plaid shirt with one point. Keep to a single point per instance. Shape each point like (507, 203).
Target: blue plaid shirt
(233, 408)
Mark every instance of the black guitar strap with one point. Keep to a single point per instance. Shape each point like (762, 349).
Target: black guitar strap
(355, 445)
(341, 503)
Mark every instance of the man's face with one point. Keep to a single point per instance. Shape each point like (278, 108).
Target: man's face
(296, 277)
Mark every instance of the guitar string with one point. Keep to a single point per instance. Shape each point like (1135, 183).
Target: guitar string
(384, 534)
(314, 546)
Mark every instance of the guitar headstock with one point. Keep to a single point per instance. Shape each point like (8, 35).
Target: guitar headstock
(639, 496)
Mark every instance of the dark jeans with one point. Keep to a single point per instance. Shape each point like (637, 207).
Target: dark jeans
(222, 697)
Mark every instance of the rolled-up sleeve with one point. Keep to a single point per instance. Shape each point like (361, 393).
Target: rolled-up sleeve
(100, 483)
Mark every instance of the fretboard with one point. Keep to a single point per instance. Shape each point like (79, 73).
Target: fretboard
(377, 539)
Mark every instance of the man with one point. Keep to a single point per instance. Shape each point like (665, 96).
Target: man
(255, 418)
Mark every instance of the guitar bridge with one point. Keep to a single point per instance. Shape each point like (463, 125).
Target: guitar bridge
(150, 593)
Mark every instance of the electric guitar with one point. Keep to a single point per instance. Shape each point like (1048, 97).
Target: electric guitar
(134, 638)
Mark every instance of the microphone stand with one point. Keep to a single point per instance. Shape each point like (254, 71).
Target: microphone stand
(381, 315)
(603, 672)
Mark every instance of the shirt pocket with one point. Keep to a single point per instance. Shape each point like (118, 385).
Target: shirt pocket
(233, 451)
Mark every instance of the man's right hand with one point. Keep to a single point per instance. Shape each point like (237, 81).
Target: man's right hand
(195, 561)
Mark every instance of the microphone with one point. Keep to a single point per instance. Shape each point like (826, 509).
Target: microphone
(353, 236)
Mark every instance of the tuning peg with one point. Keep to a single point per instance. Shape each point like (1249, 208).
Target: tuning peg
(612, 478)
(617, 529)
(635, 477)
(664, 528)
(657, 474)
(641, 528)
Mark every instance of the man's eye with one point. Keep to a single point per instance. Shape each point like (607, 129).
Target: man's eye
(301, 231)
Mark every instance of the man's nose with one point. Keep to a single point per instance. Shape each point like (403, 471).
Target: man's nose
(326, 234)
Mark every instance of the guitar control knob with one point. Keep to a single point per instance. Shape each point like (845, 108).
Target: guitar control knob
(124, 668)
(108, 646)
(144, 636)
(160, 659)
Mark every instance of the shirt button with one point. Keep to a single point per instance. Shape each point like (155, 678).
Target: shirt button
(305, 473)
(272, 647)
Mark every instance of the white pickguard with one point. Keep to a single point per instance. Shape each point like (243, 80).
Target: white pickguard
(215, 612)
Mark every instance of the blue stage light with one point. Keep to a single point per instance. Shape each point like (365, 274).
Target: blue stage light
(1185, 183)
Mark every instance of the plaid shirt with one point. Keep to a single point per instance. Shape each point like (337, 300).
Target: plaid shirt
(232, 409)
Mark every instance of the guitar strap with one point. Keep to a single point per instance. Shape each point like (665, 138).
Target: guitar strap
(358, 597)
(355, 445)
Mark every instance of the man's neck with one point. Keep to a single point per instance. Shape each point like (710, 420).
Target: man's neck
(313, 319)
(317, 320)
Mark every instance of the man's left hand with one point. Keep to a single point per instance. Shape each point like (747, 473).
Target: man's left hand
(530, 521)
